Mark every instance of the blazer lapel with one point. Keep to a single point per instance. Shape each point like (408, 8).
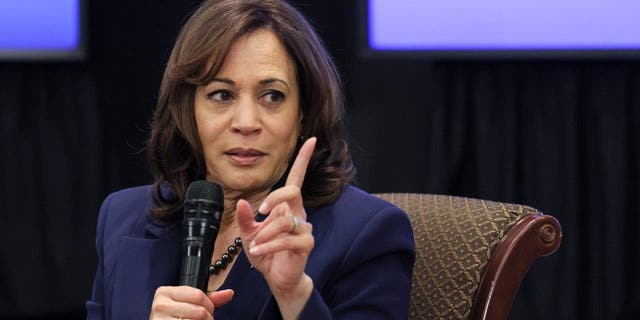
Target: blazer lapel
(144, 264)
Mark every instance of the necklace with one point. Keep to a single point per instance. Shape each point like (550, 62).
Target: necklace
(226, 257)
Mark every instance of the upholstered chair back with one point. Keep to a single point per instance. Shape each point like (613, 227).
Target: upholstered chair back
(471, 254)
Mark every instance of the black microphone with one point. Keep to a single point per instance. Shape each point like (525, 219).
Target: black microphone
(203, 205)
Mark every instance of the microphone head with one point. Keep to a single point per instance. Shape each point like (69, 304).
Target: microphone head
(204, 191)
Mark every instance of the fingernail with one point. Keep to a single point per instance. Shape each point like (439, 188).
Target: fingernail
(252, 244)
(254, 250)
(263, 207)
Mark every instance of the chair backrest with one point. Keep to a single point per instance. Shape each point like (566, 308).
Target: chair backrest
(471, 254)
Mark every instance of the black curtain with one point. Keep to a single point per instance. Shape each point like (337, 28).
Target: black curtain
(561, 136)
(51, 172)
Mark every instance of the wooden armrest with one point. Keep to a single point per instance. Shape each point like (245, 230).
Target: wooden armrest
(531, 237)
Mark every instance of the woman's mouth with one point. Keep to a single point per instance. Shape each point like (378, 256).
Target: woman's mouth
(245, 157)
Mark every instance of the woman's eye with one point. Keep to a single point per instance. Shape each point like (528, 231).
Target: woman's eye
(274, 96)
(220, 95)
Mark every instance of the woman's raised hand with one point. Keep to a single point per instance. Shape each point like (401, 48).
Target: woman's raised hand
(280, 245)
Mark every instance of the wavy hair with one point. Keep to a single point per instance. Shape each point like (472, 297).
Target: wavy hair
(175, 152)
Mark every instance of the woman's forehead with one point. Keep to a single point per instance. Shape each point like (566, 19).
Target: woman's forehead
(259, 54)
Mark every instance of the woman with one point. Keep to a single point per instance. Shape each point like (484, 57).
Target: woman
(246, 81)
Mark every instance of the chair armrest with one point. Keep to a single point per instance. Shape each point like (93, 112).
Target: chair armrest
(531, 237)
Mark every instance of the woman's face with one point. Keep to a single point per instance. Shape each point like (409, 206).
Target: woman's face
(248, 117)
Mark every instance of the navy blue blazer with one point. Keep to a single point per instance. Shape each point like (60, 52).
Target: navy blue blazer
(361, 264)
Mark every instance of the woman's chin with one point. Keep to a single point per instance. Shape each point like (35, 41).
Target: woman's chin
(245, 184)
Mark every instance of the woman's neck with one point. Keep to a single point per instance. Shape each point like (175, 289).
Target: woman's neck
(231, 200)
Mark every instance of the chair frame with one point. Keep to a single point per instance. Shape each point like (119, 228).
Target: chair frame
(531, 237)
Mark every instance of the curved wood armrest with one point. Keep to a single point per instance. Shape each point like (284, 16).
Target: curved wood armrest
(531, 237)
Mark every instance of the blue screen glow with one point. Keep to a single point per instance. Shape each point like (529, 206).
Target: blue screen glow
(39, 25)
(504, 24)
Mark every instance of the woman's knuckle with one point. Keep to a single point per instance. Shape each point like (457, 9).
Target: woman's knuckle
(161, 306)
(287, 242)
(160, 292)
(194, 295)
(311, 240)
(200, 313)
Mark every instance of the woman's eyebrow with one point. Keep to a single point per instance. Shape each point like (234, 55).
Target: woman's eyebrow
(272, 80)
(262, 82)
(224, 80)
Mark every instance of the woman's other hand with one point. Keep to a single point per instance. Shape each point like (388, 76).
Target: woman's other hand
(185, 302)
(280, 245)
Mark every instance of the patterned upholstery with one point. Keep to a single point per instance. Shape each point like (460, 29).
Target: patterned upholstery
(454, 238)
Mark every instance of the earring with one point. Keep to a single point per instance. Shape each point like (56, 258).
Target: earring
(301, 138)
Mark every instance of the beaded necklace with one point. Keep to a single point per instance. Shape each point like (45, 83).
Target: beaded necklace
(226, 257)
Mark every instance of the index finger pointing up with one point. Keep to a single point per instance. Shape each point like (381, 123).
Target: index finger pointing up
(299, 167)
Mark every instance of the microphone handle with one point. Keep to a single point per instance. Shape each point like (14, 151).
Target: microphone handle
(198, 248)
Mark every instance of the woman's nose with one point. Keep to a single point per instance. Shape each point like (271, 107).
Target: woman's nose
(246, 118)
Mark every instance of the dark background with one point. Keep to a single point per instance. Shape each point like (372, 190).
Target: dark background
(559, 135)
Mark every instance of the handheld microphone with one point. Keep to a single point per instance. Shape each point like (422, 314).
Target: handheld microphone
(203, 206)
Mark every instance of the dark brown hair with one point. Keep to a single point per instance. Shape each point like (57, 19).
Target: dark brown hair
(175, 152)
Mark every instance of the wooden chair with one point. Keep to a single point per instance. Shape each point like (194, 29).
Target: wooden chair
(471, 255)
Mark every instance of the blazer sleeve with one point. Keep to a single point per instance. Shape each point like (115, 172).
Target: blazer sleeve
(374, 279)
(95, 306)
